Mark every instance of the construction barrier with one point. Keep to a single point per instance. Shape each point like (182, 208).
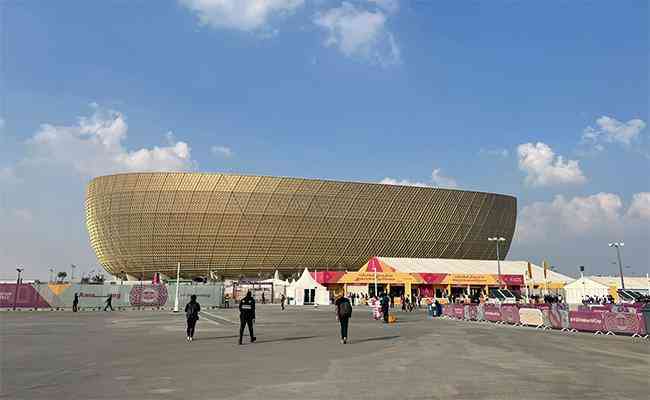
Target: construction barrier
(91, 296)
(608, 319)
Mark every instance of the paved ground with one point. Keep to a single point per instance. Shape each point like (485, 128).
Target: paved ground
(143, 355)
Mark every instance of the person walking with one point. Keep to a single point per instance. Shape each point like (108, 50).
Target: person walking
(343, 314)
(192, 310)
(263, 298)
(247, 316)
(385, 303)
(282, 300)
(75, 303)
(109, 303)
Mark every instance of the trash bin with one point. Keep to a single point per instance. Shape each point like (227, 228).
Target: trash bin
(646, 316)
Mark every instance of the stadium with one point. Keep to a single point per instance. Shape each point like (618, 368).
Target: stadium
(244, 225)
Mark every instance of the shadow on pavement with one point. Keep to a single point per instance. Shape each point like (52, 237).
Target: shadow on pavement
(287, 339)
(375, 339)
(216, 337)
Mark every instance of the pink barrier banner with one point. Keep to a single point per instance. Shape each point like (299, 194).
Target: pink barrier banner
(473, 312)
(510, 313)
(624, 322)
(590, 321)
(492, 312)
(458, 311)
(27, 297)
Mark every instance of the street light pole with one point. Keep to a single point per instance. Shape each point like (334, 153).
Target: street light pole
(17, 286)
(618, 246)
(498, 239)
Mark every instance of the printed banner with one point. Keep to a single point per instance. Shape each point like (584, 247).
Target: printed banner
(623, 322)
(510, 313)
(589, 321)
(492, 312)
(27, 296)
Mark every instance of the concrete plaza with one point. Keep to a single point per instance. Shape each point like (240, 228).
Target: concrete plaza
(143, 355)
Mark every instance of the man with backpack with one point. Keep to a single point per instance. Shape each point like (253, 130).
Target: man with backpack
(343, 314)
(192, 314)
(246, 316)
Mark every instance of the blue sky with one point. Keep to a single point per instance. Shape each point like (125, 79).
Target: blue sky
(547, 101)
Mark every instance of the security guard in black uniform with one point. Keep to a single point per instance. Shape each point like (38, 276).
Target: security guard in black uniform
(247, 316)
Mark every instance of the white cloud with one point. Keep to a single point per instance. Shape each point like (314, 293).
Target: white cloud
(245, 15)
(437, 180)
(388, 5)
(544, 168)
(403, 182)
(94, 146)
(610, 130)
(223, 151)
(359, 33)
(575, 216)
(640, 207)
(440, 180)
(566, 219)
(2, 123)
(495, 152)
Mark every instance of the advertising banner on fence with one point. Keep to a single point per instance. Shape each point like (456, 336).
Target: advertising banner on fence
(27, 296)
(589, 321)
(624, 322)
(94, 296)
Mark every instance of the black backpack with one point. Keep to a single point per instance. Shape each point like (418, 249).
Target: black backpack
(192, 312)
(345, 309)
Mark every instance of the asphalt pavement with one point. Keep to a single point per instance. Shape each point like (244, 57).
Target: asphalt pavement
(144, 355)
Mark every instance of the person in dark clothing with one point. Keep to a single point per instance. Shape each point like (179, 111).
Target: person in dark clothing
(343, 314)
(75, 303)
(385, 303)
(282, 300)
(263, 298)
(109, 302)
(247, 316)
(438, 308)
(192, 310)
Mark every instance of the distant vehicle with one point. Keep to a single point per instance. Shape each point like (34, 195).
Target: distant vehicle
(501, 296)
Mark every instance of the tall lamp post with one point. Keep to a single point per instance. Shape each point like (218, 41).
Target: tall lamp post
(582, 276)
(19, 269)
(618, 246)
(498, 239)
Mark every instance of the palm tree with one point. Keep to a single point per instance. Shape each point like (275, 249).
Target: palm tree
(61, 276)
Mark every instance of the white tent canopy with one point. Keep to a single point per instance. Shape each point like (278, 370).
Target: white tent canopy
(453, 266)
(279, 286)
(575, 291)
(307, 291)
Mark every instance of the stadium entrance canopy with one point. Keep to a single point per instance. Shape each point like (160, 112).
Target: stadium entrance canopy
(438, 277)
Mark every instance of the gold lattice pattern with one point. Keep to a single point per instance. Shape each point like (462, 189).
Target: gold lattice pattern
(142, 223)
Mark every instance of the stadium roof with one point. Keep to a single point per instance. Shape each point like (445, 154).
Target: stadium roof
(452, 266)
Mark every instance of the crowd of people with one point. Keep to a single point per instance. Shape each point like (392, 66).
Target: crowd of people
(598, 300)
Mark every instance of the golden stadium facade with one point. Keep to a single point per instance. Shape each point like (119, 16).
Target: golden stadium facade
(234, 225)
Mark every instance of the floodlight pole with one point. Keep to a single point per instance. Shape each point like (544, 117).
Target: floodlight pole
(618, 246)
(497, 240)
(178, 277)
